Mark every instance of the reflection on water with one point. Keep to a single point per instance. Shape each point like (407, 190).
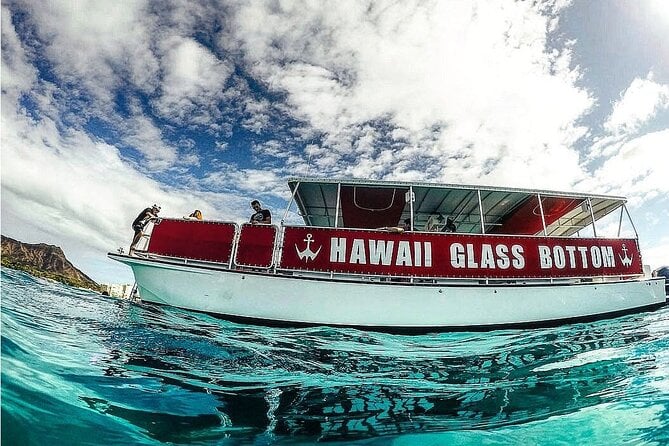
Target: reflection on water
(358, 387)
(169, 375)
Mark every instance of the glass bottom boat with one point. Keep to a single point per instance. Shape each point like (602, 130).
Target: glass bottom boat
(405, 257)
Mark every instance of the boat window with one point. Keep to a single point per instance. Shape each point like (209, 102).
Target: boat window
(318, 204)
(615, 224)
(461, 205)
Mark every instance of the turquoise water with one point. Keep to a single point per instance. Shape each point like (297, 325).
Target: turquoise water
(79, 368)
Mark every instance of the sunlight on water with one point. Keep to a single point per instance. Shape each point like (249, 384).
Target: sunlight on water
(79, 368)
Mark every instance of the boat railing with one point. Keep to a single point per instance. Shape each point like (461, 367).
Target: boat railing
(266, 248)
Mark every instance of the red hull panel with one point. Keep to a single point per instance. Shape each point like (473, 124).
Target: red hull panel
(201, 240)
(418, 254)
(256, 245)
(456, 255)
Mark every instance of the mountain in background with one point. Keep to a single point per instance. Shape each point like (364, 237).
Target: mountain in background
(44, 260)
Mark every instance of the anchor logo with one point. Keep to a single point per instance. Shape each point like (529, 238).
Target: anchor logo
(307, 253)
(627, 261)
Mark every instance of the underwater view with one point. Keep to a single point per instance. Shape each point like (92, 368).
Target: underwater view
(79, 368)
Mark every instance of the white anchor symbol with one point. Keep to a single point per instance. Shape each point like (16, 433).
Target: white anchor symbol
(627, 261)
(308, 254)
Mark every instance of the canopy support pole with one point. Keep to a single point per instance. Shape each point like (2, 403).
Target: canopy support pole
(478, 192)
(592, 216)
(541, 210)
(336, 222)
(411, 207)
(636, 234)
(290, 203)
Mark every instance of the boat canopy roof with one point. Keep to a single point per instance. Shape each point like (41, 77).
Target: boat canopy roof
(370, 204)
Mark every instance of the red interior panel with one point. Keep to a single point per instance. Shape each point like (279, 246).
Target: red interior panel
(526, 220)
(369, 208)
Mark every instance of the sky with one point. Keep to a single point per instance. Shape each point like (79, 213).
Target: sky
(109, 107)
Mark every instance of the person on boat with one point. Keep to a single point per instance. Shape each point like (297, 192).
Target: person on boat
(261, 216)
(434, 223)
(449, 226)
(195, 215)
(140, 222)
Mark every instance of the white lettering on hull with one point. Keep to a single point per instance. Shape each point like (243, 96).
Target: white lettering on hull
(485, 256)
(337, 249)
(570, 256)
(464, 256)
(381, 252)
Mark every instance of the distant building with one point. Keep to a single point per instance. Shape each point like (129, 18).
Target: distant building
(120, 290)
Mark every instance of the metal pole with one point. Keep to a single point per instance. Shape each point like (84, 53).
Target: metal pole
(478, 192)
(290, 203)
(592, 215)
(278, 246)
(541, 210)
(235, 245)
(411, 207)
(620, 221)
(337, 205)
(636, 234)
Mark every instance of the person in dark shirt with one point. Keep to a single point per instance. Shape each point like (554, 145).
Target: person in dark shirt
(261, 215)
(449, 226)
(140, 222)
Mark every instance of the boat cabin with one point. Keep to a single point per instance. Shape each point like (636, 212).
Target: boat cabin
(473, 209)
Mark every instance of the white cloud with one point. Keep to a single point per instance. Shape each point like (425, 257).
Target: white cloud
(480, 73)
(142, 134)
(475, 85)
(639, 103)
(656, 255)
(639, 169)
(246, 181)
(638, 106)
(98, 46)
(18, 75)
(194, 80)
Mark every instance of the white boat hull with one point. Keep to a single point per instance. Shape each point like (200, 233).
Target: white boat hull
(301, 300)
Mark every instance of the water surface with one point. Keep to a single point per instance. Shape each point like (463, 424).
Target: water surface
(79, 368)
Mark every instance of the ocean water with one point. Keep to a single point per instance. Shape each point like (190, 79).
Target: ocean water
(79, 368)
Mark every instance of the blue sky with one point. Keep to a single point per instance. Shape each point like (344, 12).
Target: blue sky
(108, 107)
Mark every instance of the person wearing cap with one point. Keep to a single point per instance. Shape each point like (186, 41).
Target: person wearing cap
(140, 222)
